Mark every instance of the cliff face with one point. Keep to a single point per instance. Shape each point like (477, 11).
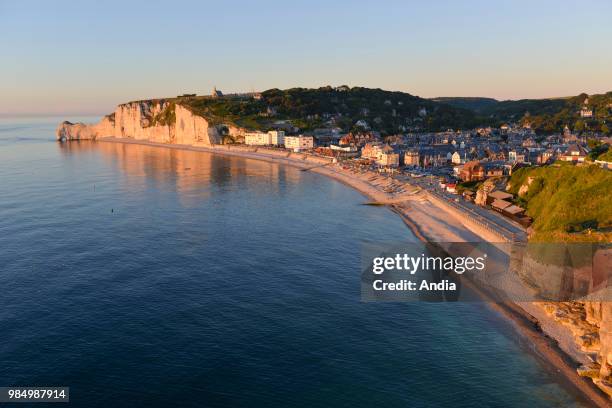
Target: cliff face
(591, 325)
(154, 121)
(545, 269)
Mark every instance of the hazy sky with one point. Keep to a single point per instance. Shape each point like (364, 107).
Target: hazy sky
(85, 57)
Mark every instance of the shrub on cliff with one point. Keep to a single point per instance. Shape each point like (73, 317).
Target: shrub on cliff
(166, 117)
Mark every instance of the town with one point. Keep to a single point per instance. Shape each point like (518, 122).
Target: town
(457, 165)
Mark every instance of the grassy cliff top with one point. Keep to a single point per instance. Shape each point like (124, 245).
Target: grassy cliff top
(567, 202)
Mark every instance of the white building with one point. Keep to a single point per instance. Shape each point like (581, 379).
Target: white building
(277, 137)
(457, 159)
(299, 142)
(362, 123)
(257, 138)
(585, 112)
(348, 149)
(273, 137)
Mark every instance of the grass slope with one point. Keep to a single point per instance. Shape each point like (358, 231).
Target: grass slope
(568, 203)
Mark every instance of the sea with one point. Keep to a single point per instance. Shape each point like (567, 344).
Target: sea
(144, 276)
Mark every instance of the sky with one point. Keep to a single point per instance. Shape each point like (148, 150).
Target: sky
(85, 57)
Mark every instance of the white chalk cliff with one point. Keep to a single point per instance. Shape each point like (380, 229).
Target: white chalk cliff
(154, 120)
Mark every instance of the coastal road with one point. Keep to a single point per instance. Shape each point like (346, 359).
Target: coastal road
(509, 229)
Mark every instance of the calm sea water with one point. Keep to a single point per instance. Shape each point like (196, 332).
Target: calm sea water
(152, 277)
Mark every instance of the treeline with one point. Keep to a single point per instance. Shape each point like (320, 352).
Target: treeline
(545, 116)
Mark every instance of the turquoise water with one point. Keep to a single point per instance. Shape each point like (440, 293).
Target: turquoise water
(152, 277)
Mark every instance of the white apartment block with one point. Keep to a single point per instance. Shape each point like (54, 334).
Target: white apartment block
(299, 142)
(273, 137)
(277, 137)
(256, 138)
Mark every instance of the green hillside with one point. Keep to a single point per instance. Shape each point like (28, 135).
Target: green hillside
(384, 111)
(552, 115)
(391, 112)
(566, 202)
(476, 104)
(544, 115)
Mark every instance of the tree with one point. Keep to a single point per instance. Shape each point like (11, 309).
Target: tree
(593, 143)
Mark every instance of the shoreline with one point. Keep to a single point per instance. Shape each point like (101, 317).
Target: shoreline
(429, 222)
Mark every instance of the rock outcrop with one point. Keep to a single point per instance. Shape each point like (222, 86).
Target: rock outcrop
(487, 187)
(579, 299)
(155, 121)
(524, 189)
(591, 325)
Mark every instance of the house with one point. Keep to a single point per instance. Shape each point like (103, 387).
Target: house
(451, 188)
(574, 153)
(499, 205)
(389, 159)
(545, 156)
(529, 142)
(472, 171)
(498, 196)
(516, 156)
(514, 210)
(384, 155)
(298, 143)
(411, 158)
(362, 124)
(506, 208)
(435, 155)
(370, 151)
(359, 139)
(491, 171)
(456, 158)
